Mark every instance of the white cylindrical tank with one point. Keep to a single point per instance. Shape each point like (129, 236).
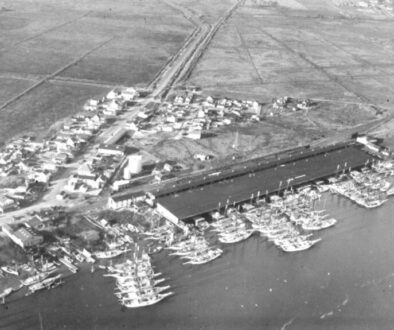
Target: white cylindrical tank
(134, 165)
(126, 174)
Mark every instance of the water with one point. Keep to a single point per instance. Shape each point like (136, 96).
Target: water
(344, 282)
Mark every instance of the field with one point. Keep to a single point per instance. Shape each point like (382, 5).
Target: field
(253, 140)
(84, 47)
(315, 52)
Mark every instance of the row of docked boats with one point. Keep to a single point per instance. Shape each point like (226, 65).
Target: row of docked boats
(299, 209)
(196, 250)
(233, 228)
(47, 283)
(137, 285)
(277, 228)
(42, 280)
(364, 189)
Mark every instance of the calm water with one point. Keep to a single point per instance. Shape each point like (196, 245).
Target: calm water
(344, 282)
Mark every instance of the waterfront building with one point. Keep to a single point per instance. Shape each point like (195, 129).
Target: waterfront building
(24, 237)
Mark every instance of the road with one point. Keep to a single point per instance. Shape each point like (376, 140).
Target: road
(176, 69)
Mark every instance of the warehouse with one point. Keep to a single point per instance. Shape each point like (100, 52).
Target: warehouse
(257, 179)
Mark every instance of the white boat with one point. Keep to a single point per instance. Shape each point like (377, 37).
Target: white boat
(6, 292)
(318, 225)
(138, 292)
(204, 258)
(109, 254)
(235, 237)
(133, 275)
(45, 284)
(390, 192)
(294, 246)
(145, 301)
(36, 278)
(125, 285)
(10, 270)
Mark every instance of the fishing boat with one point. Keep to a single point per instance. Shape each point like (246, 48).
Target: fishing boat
(44, 284)
(296, 246)
(235, 237)
(109, 253)
(204, 258)
(318, 225)
(143, 291)
(145, 300)
(10, 270)
(36, 278)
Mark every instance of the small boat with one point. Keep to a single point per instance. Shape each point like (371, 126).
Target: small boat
(10, 270)
(110, 253)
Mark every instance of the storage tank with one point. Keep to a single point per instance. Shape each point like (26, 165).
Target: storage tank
(133, 166)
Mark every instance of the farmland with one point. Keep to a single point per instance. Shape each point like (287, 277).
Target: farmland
(310, 50)
(78, 50)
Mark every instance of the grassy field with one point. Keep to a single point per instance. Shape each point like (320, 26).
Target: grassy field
(98, 43)
(314, 52)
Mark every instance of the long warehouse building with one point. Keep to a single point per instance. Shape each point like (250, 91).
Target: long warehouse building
(207, 193)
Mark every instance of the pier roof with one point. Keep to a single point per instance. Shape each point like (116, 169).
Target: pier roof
(205, 198)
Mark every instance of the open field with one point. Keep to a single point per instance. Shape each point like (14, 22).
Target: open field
(90, 45)
(313, 52)
(254, 140)
(209, 10)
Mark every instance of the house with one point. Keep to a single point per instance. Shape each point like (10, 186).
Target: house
(111, 149)
(41, 177)
(36, 222)
(126, 200)
(112, 108)
(368, 142)
(194, 134)
(61, 158)
(24, 237)
(85, 170)
(7, 204)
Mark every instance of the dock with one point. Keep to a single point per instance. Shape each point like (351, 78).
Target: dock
(257, 178)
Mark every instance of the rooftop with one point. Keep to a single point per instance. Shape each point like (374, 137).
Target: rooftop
(262, 180)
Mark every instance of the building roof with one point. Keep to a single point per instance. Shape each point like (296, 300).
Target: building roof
(25, 234)
(205, 198)
(120, 198)
(111, 147)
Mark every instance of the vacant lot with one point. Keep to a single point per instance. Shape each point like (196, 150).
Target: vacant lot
(314, 52)
(247, 141)
(97, 44)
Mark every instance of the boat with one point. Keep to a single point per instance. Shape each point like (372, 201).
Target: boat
(10, 270)
(144, 291)
(318, 225)
(145, 301)
(44, 284)
(36, 278)
(122, 285)
(204, 258)
(6, 292)
(132, 275)
(109, 254)
(390, 191)
(296, 246)
(68, 263)
(235, 237)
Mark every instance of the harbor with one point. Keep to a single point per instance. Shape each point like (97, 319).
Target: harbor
(293, 221)
(331, 285)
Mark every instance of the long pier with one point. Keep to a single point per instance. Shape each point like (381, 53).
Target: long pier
(260, 177)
